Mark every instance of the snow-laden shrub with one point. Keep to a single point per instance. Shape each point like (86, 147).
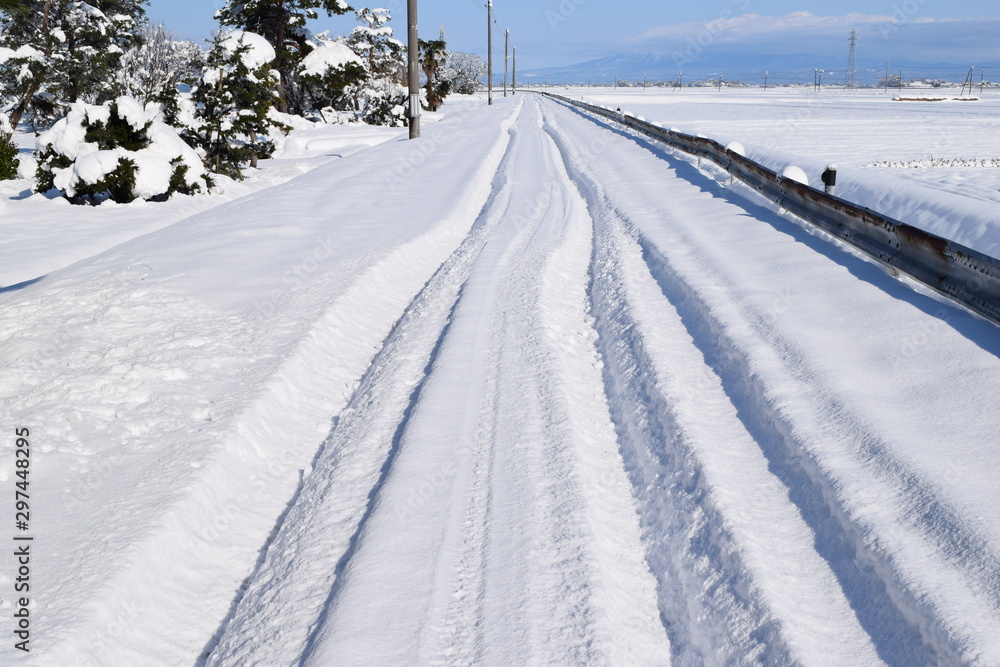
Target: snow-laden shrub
(329, 75)
(118, 151)
(8, 151)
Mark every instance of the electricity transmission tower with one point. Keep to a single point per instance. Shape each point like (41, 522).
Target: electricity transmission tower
(851, 79)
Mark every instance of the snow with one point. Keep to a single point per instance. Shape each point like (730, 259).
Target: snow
(329, 55)
(528, 390)
(796, 126)
(259, 51)
(23, 52)
(795, 173)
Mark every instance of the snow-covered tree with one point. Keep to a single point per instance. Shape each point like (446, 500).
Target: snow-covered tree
(380, 98)
(55, 52)
(373, 41)
(227, 115)
(463, 72)
(433, 57)
(158, 64)
(283, 24)
(118, 151)
(8, 151)
(330, 75)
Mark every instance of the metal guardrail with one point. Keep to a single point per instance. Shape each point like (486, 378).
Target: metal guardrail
(962, 274)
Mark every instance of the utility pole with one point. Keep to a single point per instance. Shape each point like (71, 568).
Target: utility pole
(968, 81)
(901, 80)
(765, 81)
(413, 73)
(514, 80)
(887, 77)
(982, 81)
(489, 47)
(506, 46)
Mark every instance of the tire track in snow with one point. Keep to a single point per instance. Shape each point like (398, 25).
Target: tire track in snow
(906, 616)
(285, 600)
(709, 532)
(501, 562)
(548, 451)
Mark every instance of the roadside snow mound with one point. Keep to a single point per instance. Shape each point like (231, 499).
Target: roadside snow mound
(119, 151)
(796, 174)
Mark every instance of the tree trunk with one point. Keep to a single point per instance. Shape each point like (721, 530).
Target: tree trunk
(36, 83)
(279, 60)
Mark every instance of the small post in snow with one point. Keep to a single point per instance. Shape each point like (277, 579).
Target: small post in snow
(830, 178)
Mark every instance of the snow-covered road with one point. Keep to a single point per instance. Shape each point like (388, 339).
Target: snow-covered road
(582, 404)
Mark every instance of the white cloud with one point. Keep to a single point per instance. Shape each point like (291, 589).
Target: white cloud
(898, 36)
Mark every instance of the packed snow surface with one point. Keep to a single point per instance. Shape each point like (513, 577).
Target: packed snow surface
(528, 390)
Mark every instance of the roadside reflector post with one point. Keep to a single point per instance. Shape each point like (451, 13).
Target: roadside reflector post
(830, 178)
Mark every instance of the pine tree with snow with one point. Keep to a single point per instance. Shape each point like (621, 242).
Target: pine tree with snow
(8, 150)
(56, 52)
(381, 97)
(433, 57)
(229, 112)
(330, 75)
(118, 151)
(283, 24)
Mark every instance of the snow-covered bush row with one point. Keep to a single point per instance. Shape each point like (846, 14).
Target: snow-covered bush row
(119, 151)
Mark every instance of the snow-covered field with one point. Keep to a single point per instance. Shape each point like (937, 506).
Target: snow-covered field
(528, 390)
(854, 131)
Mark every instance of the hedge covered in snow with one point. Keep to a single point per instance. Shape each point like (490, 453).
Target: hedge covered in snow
(119, 151)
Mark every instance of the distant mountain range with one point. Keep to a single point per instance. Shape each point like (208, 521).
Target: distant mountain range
(783, 69)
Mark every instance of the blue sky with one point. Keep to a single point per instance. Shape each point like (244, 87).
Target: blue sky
(562, 32)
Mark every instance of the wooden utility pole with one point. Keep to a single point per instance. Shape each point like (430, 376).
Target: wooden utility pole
(413, 67)
(506, 48)
(489, 47)
(514, 79)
